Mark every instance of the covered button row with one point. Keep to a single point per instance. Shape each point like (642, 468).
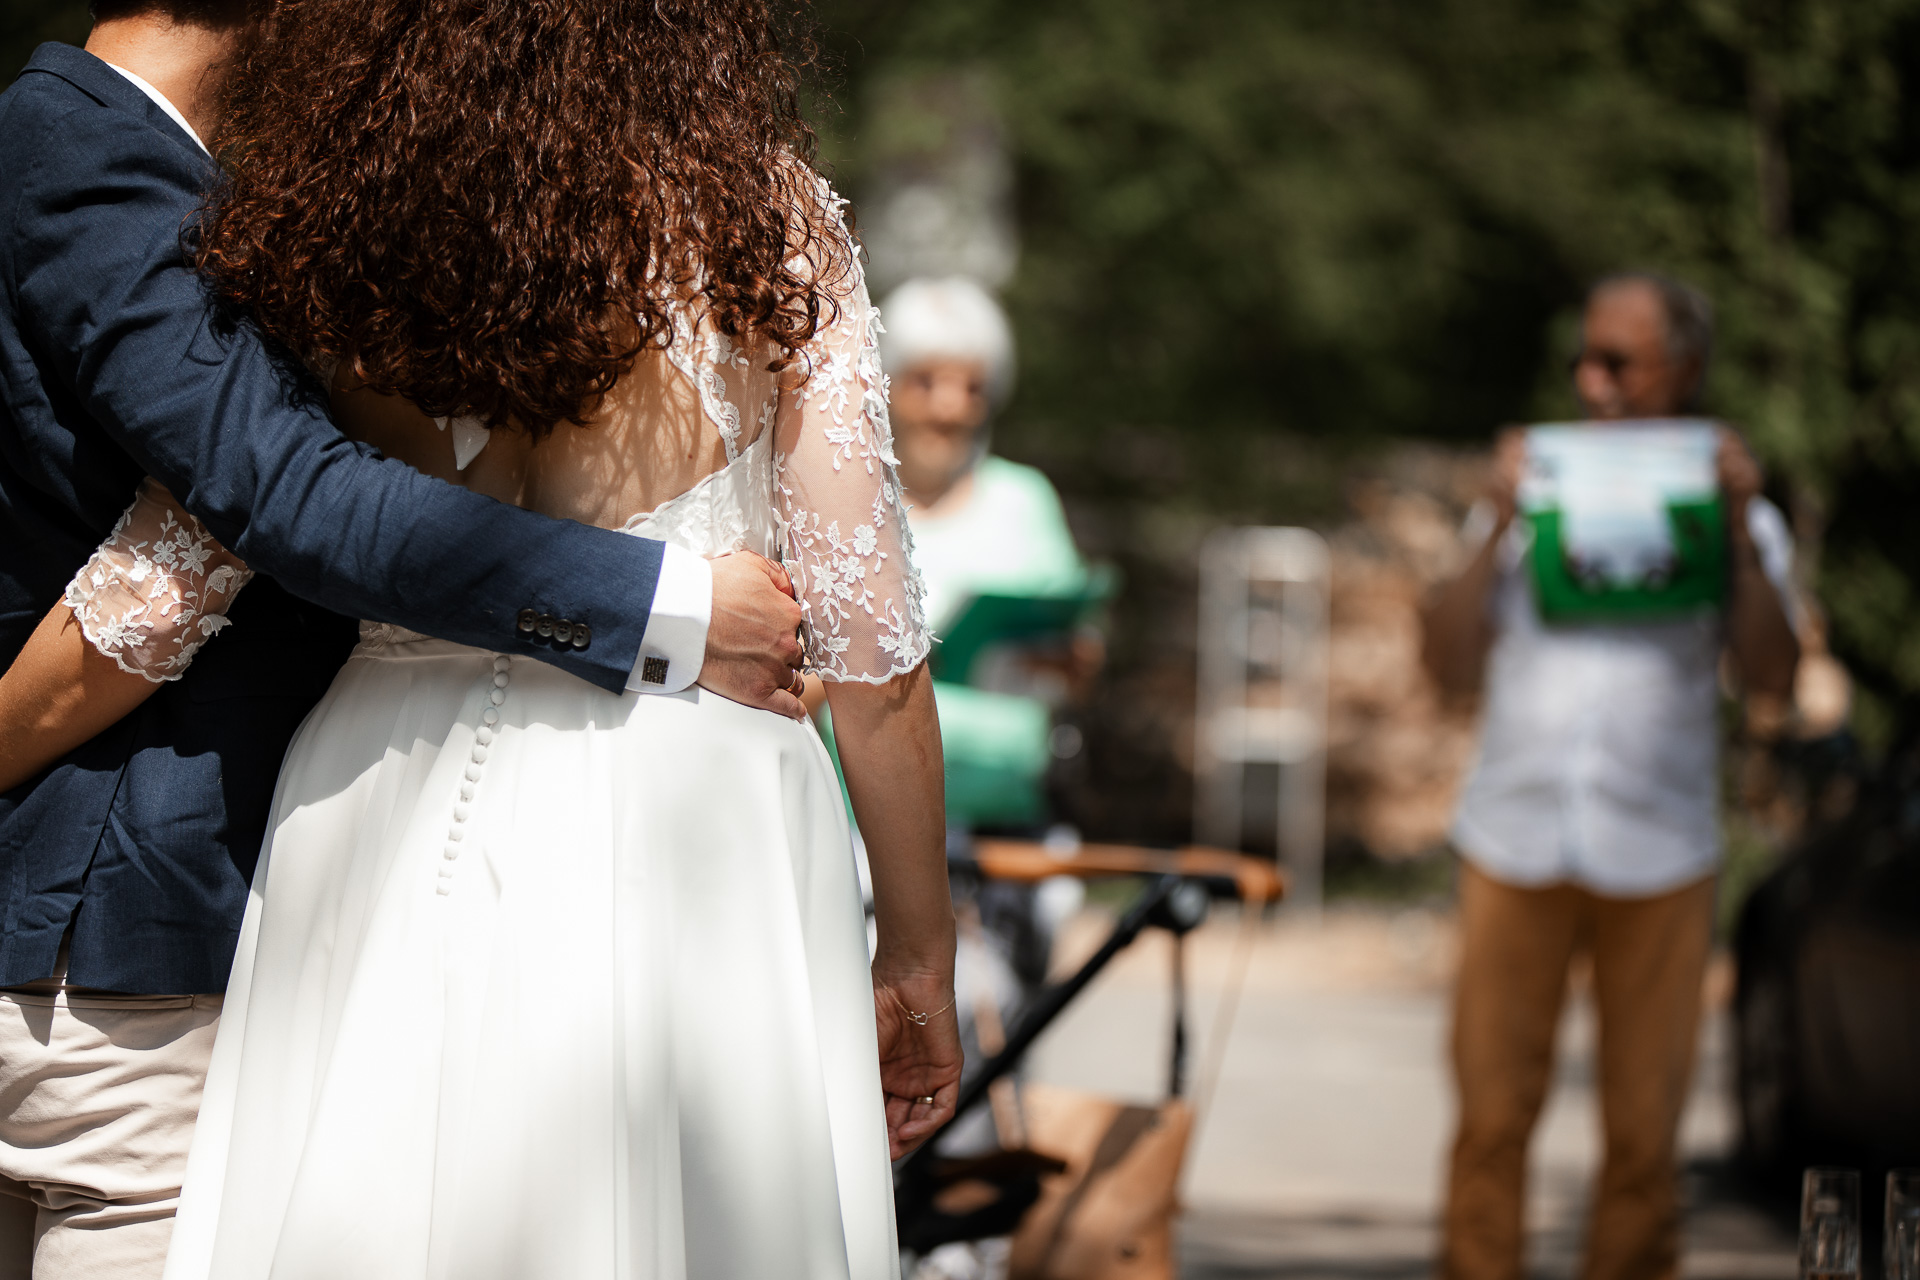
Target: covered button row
(482, 743)
(562, 631)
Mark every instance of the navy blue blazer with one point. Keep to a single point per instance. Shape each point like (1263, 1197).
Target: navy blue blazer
(112, 367)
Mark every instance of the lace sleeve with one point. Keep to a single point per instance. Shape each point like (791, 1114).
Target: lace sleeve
(157, 588)
(844, 530)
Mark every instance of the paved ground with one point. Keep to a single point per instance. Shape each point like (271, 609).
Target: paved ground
(1321, 1153)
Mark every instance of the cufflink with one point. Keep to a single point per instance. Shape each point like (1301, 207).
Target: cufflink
(653, 671)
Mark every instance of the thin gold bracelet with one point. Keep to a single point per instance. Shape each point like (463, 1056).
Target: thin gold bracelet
(920, 1019)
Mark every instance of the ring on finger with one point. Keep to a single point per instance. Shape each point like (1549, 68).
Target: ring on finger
(925, 1101)
(797, 685)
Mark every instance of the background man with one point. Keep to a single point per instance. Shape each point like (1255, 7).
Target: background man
(1590, 822)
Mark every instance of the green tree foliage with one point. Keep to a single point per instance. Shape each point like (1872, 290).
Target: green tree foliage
(1243, 218)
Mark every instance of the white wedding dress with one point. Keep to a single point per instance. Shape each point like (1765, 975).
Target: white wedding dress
(542, 983)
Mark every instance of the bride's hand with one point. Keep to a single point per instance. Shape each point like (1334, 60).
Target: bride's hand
(916, 1062)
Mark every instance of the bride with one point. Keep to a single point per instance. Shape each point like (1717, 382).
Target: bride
(537, 980)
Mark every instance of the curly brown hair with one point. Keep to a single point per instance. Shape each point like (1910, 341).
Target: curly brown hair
(489, 206)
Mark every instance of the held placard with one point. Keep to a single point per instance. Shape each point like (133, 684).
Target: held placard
(1627, 519)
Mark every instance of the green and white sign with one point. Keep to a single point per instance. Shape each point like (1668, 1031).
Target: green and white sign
(1627, 519)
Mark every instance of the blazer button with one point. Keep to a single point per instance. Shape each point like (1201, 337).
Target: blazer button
(582, 635)
(545, 626)
(563, 631)
(528, 620)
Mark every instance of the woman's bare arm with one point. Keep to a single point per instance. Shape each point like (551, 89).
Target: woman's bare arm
(889, 741)
(60, 692)
(847, 546)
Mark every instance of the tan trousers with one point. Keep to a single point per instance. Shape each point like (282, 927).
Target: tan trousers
(98, 1096)
(1649, 959)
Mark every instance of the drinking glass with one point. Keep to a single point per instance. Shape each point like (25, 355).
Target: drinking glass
(1900, 1254)
(1830, 1224)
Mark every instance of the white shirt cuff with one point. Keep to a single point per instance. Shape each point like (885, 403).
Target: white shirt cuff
(675, 645)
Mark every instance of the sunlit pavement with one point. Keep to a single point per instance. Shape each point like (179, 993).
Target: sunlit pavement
(1321, 1154)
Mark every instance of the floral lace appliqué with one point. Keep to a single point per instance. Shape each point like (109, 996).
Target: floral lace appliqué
(713, 362)
(840, 525)
(844, 531)
(157, 589)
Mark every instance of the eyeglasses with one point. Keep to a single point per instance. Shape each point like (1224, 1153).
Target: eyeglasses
(1614, 362)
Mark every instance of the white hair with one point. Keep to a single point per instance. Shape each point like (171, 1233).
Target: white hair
(947, 319)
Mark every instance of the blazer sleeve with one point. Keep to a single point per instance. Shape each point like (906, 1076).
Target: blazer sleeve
(108, 300)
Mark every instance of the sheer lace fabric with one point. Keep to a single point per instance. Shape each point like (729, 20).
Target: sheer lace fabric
(157, 589)
(846, 539)
(843, 533)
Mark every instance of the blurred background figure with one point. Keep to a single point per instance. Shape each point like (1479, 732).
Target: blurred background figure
(981, 524)
(1006, 587)
(992, 544)
(1590, 822)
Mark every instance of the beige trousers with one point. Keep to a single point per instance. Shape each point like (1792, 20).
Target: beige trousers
(98, 1096)
(1649, 959)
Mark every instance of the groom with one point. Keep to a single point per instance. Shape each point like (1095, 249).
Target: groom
(124, 867)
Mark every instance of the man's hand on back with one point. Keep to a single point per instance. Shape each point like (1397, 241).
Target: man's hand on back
(752, 643)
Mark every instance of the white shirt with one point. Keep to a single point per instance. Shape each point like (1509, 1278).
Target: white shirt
(1600, 747)
(160, 100)
(682, 600)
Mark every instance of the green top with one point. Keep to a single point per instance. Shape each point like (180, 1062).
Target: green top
(1009, 539)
